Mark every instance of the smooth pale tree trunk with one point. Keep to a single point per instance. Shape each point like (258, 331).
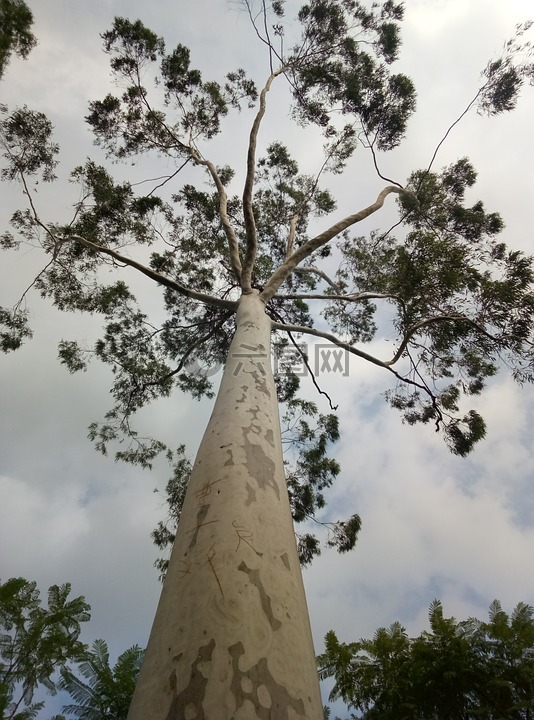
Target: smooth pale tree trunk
(231, 637)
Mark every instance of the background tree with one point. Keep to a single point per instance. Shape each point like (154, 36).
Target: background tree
(15, 34)
(104, 693)
(36, 643)
(460, 300)
(466, 670)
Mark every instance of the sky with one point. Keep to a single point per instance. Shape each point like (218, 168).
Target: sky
(434, 525)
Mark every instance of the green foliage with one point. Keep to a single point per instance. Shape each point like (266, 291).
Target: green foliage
(342, 71)
(460, 303)
(16, 37)
(16, 327)
(466, 670)
(35, 642)
(506, 75)
(130, 125)
(102, 692)
(25, 137)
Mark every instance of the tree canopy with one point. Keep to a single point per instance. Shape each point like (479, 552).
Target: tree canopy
(440, 284)
(459, 669)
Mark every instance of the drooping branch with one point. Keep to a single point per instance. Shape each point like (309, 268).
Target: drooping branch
(386, 365)
(305, 250)
(153, 275)
(195, 344)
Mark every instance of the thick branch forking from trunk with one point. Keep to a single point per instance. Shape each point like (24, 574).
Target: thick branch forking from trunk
(153, 275)
(304, 251)
(248, 212)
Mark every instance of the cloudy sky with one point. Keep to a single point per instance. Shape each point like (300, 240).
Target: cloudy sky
(434, 526)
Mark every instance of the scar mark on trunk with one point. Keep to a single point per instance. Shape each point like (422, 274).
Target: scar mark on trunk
(185, 570)
(254, 576)
(205, 490)
(201, 515)
(210, 556)
(257, 686)
(189, 700)
(285, 560)
(230, 460)
(245, 535)
(269, 437)
(254, 412)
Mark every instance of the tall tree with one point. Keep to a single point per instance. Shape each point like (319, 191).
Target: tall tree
(105, 692)
(36, 643)
(467, 670)
(231, 635)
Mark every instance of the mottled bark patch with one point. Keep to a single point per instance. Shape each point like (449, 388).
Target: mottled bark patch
(260, 467)
(251, 494)
(261, 383)
(254, 577)
(188, 702)
(269, 698)
(269, 437)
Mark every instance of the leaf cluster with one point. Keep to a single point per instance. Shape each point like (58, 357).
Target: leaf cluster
(342, 64)
(16, 20)
(469, 669)
(461, 302)
(129, 124)
(25, 138)
(102, 692)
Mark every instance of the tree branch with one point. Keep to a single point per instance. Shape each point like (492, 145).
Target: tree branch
(331, 338)
(356, 297)
(248, 212)
(153, 275)
(424, 323)
(359, 353)
(305, 250)
(233, 246)
(320, 273)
